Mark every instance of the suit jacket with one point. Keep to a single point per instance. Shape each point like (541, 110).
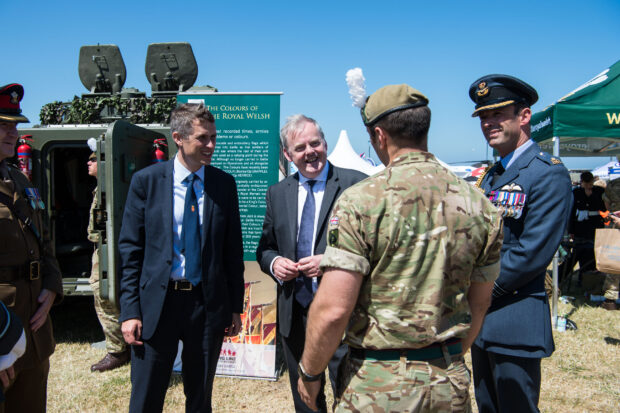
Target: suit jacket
(279, 236)
(145, 246)
(518, 322)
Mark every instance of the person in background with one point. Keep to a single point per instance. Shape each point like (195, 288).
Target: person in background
(117, 351)
(611, 197)
(585, 219)
(30, 279)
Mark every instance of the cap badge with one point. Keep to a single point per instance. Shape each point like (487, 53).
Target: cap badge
(14, 98)
(482, 89)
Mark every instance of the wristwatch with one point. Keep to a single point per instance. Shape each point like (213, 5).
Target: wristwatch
(305, 376)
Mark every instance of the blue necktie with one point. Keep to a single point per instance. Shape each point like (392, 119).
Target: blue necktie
(190, 234)
(303, 284)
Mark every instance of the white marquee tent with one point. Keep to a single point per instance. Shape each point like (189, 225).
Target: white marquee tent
(344, 156)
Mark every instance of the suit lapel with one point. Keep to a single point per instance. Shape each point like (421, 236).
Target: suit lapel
(291, 197)
(210, 192)
(332, 187)
(167, 211)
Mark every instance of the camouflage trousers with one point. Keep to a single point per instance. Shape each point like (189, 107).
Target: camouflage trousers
(405, 386)
(107, 313)
(610, 286)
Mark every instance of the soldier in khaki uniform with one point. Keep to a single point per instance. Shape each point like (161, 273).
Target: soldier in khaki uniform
(107, 313)
(412, 256)
(30, 280)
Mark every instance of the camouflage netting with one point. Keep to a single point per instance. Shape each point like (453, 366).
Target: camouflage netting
(104, 109)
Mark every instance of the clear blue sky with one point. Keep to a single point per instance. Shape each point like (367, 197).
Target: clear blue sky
(304, 49)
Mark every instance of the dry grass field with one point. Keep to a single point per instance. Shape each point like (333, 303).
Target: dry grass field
(583, 375)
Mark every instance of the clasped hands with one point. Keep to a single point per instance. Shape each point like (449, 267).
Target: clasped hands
(285, 269)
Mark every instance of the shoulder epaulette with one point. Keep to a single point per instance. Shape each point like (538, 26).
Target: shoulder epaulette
(551, 160)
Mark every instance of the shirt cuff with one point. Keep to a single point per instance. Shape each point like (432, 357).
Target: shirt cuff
(344, 260)
(271, 269)
(487, 273)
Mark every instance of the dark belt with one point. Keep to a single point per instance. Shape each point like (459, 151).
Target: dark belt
(30, 271)
(182, 285)
(431, 352)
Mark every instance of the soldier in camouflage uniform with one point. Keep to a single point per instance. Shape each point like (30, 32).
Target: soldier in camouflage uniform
(412, 256)
(107, 313)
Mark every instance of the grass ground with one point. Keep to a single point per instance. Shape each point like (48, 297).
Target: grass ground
(583, 374)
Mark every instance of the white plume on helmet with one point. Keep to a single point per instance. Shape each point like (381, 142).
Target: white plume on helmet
(357, 87)
(92, 144)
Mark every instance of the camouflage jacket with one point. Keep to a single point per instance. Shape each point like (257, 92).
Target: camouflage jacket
(93, 236)
(419, 235)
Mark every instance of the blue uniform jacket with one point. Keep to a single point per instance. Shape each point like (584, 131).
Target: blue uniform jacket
(536, 193)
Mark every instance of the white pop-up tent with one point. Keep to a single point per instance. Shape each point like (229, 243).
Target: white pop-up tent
(604, 171)
(344, 156)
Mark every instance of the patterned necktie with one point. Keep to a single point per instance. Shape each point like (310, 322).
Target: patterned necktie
(303, 284)
(190, 234)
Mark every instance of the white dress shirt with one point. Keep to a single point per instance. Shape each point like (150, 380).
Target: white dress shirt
(318, 190)
(179, 189)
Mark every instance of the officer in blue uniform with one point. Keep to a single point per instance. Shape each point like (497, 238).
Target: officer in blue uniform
(533, 192)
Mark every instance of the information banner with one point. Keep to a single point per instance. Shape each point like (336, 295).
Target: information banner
(248, 148)
(253, 352)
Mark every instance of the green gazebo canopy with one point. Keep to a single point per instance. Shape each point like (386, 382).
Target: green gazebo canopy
(587, 120)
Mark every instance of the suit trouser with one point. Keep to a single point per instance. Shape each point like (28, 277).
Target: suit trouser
(28, 391)
(182, 318)
(505, 383)
(293, 346)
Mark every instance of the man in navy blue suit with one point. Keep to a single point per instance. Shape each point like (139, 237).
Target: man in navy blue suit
(182, 259)
(533, 192)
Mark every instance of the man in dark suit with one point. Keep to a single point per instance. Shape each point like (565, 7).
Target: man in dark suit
(533, 192)
(182, 259)
(294, 238)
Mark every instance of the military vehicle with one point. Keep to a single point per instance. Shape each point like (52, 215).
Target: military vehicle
(131, 131)
(127, 126)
